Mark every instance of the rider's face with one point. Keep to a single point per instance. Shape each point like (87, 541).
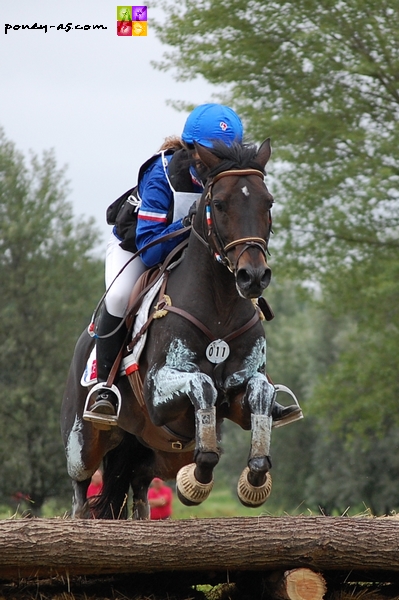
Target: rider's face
(199, 166)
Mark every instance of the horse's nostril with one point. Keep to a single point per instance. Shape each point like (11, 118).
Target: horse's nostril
(253, 280)
(243, 278)
(265, 280)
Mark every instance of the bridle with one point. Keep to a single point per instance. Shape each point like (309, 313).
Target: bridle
(215, 243)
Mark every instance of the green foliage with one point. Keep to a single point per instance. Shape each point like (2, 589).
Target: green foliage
(49, 285)
(358, 477)
(364, 379)
(320, 78)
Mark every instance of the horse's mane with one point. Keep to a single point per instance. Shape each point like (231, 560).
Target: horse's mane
(236, 156)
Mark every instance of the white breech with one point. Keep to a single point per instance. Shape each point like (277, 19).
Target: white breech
(117, 298)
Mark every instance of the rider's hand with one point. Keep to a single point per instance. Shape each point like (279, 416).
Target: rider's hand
(188, 219)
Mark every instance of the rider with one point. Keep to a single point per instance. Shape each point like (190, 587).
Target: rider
(169, 185)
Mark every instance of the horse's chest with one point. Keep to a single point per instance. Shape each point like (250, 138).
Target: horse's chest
(229, 369)
(245, 364)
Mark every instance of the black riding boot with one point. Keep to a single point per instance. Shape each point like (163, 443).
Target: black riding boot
(107, 349)
(283, 415)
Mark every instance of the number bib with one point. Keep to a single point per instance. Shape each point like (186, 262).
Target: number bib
(217, 351)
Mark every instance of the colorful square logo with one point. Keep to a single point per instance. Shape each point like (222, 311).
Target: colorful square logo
(124, 28)
(139, 28)
(139, 13)
(124, 13)
(131, 20)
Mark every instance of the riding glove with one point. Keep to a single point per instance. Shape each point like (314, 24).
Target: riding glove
(188, 219)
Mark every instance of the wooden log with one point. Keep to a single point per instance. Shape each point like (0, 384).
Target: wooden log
(65, 547)
(298, 584)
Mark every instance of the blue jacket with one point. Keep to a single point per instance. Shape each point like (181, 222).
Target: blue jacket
(155, 215)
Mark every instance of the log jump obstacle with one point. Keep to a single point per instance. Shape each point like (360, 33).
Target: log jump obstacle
(33, 548)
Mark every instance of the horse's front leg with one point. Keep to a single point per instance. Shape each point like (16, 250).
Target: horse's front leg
(170, 390)
(255, 483)
(195, 481)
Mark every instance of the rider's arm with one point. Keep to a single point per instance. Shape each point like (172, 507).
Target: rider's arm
(153, 215)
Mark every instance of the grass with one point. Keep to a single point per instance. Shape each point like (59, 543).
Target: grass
(222, 502)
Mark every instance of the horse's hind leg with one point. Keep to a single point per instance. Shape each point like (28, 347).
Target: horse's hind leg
(82, 461)
(80, 508)
(254, 485)
(85, 448)
(142, 475)
(84, 445)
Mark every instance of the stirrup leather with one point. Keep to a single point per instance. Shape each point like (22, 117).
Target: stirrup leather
(99, 418)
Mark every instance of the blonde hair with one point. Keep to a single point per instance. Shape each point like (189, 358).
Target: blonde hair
(172, 142)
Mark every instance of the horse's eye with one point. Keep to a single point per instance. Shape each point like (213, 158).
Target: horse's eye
(219, 205)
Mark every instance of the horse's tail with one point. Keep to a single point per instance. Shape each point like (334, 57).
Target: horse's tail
(118, 465)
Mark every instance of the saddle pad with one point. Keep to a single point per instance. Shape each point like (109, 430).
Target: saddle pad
(89, 376)
(130, 362)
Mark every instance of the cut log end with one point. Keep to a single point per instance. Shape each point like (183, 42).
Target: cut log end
(301, 584)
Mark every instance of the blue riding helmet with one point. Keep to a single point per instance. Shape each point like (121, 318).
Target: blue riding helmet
(209, 122)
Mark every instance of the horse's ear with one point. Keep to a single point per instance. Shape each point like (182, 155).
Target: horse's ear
(210, 160)
(264, 153)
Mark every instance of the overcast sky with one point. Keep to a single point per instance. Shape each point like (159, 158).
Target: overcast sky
(89, 94)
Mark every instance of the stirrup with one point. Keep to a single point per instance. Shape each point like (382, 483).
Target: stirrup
(291, 418)
(97, 417)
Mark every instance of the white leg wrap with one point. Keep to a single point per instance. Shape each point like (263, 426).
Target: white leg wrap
(261, 426)
(206, 429)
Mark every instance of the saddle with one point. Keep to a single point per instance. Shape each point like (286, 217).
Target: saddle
(143, 285)
(160, 438)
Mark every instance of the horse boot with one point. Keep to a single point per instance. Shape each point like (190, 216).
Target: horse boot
(103, 413)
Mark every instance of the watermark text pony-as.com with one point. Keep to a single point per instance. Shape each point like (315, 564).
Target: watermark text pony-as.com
(45, 28)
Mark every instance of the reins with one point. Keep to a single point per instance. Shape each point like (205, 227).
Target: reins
(164, 304)
(219, 250)
(164, 238)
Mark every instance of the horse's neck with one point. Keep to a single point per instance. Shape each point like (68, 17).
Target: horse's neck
(208, 288)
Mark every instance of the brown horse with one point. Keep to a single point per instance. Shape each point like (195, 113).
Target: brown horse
(203, 361)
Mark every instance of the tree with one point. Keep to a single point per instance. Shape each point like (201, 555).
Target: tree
(353, 478)
(207, 550)
(50, 282)
(321, 78)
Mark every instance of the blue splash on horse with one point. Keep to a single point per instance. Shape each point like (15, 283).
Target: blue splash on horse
(204, 361)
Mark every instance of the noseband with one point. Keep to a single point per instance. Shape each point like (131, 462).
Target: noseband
(216, 247)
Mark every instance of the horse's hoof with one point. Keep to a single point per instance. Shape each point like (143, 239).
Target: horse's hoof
(252, 496)
(190, 491)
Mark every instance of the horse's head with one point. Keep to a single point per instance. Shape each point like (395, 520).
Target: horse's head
(235, 212)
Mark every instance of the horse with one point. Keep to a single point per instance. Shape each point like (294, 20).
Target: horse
(204, 359)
